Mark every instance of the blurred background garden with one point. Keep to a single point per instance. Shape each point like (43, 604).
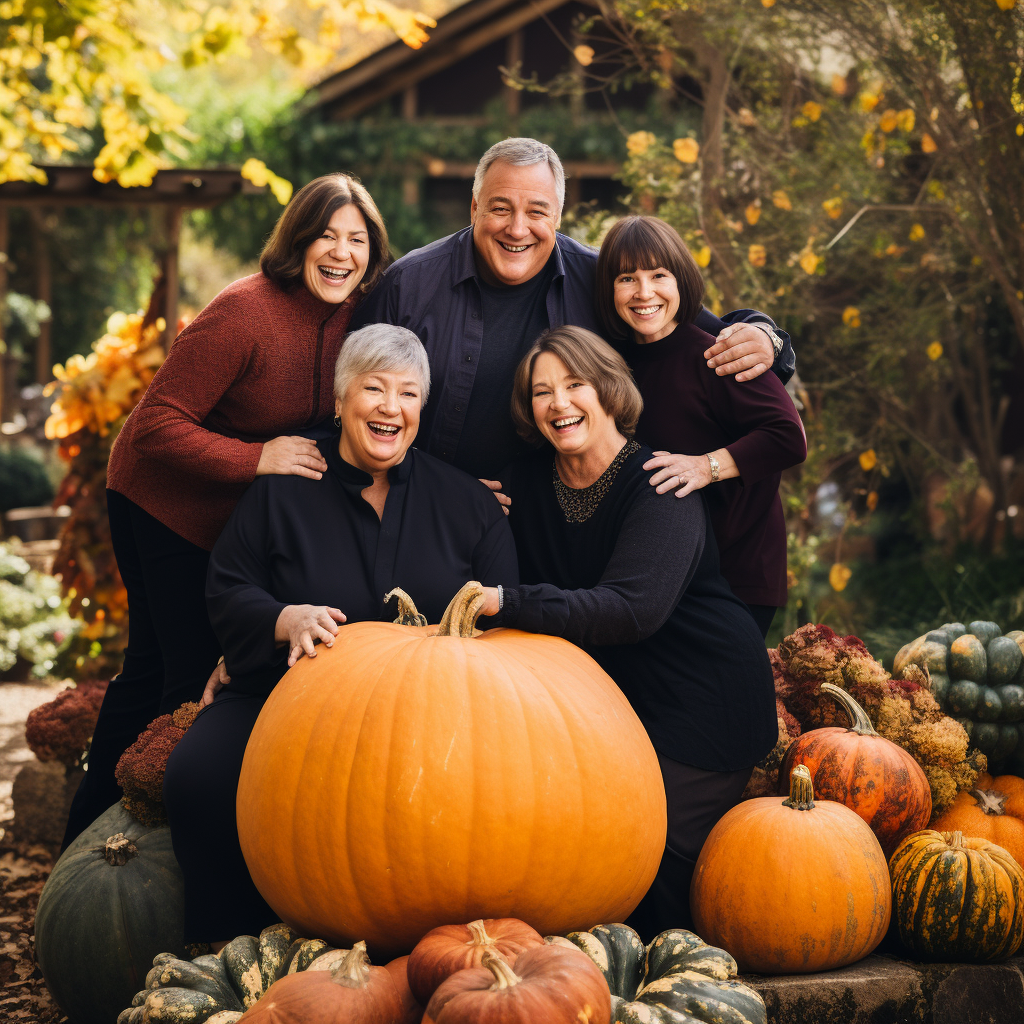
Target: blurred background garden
(856, 170)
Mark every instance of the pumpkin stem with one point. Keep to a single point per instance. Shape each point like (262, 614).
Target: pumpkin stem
(118, 850)
(990, 801)
(460, 616)
(479, 933)
(859, 721)
(504, 976)
(353, 971)
(801, 792)
(407, 612)
(954, 840)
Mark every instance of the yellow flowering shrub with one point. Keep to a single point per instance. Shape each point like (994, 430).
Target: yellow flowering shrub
(93, 396)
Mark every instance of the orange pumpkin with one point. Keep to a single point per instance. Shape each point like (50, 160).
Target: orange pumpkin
(454, 947)
(353, 992)
(993, 810)
(406, 778)
(549, 984)
(868, 773)
(791, 885)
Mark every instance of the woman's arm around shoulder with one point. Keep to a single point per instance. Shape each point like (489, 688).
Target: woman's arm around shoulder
(209, 355)
(655, 556)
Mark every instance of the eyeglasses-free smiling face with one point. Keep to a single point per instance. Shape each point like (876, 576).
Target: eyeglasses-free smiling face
(648, 301)
(380, 415)
(514, 221)
(336, 262)
(566, 409)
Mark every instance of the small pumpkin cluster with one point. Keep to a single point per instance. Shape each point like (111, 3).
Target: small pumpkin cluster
(484, 971)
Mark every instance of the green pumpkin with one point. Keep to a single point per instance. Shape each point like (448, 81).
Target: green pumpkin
(953, 629)
(962, 697)
(1006, 744)
(967, 659)
(1012, 697)
(940, 687)
(939, 636)
(984, 630)
(989, 707)
(218, 989)
(678, 979)
(113, 901)
(924, 652)
(985, 737)
(1004, 660)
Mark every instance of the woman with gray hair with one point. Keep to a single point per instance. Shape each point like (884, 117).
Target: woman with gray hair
(298, 558)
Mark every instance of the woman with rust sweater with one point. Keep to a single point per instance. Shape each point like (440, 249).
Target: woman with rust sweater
(251, 372)
(730, 437)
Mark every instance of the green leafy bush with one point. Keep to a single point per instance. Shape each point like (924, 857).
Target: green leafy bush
(23, 479)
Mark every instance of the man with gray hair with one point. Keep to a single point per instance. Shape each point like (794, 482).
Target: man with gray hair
(478, 300)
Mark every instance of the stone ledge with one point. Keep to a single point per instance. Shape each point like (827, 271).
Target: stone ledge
(883, 989)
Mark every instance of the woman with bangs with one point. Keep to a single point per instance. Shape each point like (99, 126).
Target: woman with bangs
(730, 439)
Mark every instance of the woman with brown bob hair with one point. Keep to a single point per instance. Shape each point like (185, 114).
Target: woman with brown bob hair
(730, 438)
(243, 381)
(631, 575)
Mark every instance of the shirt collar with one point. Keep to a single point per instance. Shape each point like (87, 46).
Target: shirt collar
(464, 263)
(353, 478)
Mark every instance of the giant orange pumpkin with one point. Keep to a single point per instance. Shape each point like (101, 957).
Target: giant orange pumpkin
(868, 773)
(408, 777)
(992, 810)
(791, 886)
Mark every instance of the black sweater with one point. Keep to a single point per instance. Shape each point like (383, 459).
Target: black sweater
(637, 585)
(293, 540)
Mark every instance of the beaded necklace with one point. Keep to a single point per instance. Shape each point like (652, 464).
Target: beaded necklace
(579, 504)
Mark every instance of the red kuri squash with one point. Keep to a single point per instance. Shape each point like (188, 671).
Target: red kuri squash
(454, 947)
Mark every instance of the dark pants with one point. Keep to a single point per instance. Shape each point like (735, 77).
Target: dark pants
(696, 800)
(763, 615)
(171, 647)
(200, 786)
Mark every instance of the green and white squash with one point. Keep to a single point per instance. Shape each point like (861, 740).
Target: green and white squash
(677, 979)
(219, 989)
(977, 677)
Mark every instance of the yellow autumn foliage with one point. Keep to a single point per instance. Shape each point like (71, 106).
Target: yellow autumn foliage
(74, 65)
(686, 150)
(757, 255)
(95, 391)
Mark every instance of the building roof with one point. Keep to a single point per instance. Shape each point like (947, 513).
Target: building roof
(462, 31)
(68, 185)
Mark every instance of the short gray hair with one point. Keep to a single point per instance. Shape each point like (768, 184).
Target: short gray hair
(522, 153)
(380, 348)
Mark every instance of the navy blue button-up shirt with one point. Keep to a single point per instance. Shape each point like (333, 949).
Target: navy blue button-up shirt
(435, 293)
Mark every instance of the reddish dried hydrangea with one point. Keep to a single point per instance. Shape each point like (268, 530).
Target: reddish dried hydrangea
(61, 729)
(140, 772)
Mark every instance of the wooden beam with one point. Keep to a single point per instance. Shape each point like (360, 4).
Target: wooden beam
(3, 303)
(410, 99)
(44, 291)
(513, 58)
(170, 268)
(381, 87)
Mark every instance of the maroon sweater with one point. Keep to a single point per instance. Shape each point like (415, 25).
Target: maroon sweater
(256, 363)
(689, 409)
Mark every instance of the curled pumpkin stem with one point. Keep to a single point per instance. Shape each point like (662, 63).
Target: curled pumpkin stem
(460, 616)
(354, 969)
(504, 976)
(859, 721)
(408, 614)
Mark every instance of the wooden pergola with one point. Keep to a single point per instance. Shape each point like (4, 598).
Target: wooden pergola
(171, 192)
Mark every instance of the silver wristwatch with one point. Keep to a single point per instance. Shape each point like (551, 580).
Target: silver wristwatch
(776, 341)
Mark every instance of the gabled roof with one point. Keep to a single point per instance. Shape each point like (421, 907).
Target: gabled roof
(393, 69)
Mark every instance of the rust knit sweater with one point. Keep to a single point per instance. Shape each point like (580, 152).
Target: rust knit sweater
(256, 363)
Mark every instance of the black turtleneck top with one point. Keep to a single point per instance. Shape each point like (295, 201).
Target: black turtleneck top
(293, 540)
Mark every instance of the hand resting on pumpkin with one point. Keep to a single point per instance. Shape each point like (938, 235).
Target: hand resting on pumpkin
(301, 625)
